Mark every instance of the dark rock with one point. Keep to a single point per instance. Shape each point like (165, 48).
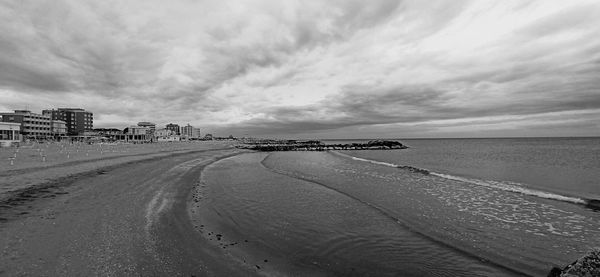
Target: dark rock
(314, 145)
(555, 272)
(588, 265)
(593, 204)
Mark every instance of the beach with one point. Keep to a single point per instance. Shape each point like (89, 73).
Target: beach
(119, 214)
(442, 207)
(211, 209)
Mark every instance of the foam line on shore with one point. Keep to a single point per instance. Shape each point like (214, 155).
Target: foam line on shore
(389, 214)
(407, 167)
(505, 186)
(514, 187)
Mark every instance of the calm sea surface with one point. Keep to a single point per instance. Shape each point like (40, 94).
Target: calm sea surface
(488, 207)
(569, 166)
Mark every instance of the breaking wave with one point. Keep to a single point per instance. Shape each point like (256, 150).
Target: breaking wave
(501, 185)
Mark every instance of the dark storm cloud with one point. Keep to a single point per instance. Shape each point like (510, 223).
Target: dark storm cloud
(358, 107)
(22, 78)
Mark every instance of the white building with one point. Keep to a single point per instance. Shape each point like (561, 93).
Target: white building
(137, 130)
(164, 134)
(138, 134)
(151, 126)
(58, 128)
(33, 125)
(190, 132)
(9, 133)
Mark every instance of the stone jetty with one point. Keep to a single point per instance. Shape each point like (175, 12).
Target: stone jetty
(315, 145)
(588, 265)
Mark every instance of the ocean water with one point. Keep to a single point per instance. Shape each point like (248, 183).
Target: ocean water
(483, 207)
(567, 166)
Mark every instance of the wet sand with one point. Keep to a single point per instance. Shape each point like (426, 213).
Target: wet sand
(122, 216)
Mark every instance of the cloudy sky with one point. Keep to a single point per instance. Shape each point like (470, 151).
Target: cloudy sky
(323, 69)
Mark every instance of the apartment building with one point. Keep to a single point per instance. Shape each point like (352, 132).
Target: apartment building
(190, 132)
(77, 120)
(33, 125)
(175, 128)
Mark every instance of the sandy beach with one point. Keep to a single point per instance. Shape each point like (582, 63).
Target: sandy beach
(119, 212)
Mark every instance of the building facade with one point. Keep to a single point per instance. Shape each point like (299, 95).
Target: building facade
(108, 131)
(137, 130)
(163, 133)
(58, 128)
(77, 120)
(174, 127)
(33, 125)
(151, 126)
(138, 134)
(190, 132)
(9, 133)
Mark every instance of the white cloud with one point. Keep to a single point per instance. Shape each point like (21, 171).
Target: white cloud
(290, 67)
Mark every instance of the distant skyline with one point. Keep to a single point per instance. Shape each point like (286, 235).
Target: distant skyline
(310, 69)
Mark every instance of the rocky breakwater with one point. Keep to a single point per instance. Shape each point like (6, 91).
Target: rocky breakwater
(314, 145)
(588, 266)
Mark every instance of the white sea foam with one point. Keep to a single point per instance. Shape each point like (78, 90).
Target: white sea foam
(375, 162)
(512, 187)
(505, 186)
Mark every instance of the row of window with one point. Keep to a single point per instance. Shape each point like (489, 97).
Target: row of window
(36, 122)
(37, 118)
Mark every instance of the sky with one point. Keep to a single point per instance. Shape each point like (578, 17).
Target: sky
(310, 69)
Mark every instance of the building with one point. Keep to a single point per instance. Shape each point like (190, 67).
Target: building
(137, 130)
(165, 135)
(33, 125)
(175, 128)
(138, 134)
(151, 126)
(77, 120)
(108, 131)
(190, 132)
(9, 133)
(58, 128)
(196, 133)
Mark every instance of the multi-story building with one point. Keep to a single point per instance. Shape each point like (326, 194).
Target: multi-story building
(151, 126)
(175, 128)
(190, 132)
(33, 125)
(9, 133)
(78, 120)
(58, 128)
(196, 133)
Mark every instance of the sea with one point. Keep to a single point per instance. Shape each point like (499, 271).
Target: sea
(442, 207)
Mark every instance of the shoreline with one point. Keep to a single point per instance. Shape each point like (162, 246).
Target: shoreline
(30, 171)
(140, 212)
(126, 218)
(283, 206)
(432, 205)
